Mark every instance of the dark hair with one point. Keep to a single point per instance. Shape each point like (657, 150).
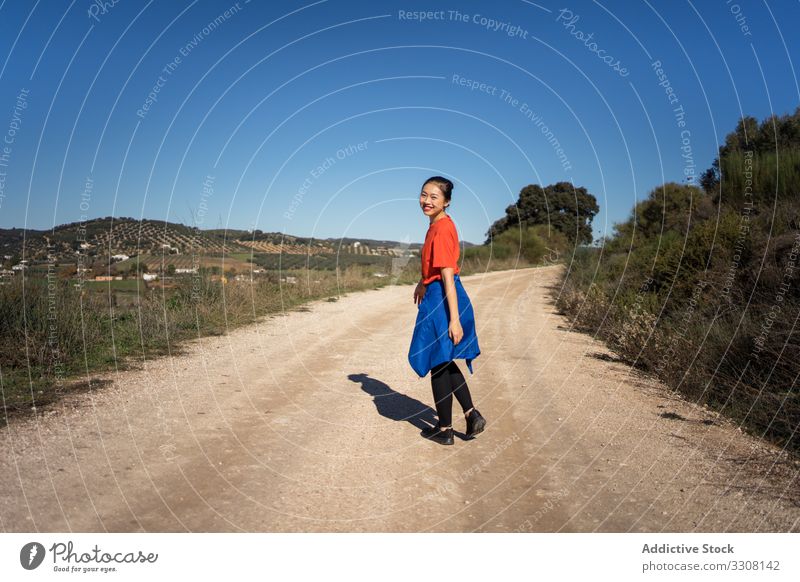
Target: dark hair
(445, 185)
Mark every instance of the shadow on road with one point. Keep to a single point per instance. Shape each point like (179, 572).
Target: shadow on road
(394, 405)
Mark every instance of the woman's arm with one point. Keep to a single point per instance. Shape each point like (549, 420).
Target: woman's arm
(454, 330)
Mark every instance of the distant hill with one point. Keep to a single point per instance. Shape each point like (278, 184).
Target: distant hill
(110, 236)
(104, 237)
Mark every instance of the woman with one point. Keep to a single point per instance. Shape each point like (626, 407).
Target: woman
(445, 326)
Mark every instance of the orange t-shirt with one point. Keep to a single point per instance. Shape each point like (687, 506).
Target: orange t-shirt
(441, 249)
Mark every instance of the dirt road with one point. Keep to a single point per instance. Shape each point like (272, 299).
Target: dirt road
(310, 420)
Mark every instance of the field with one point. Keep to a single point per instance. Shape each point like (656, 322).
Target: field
(126, 285)
(326, 262)
(292, 249)
(240, 256)
(156, 262)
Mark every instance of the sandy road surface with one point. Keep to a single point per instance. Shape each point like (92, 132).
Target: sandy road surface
(309, 421)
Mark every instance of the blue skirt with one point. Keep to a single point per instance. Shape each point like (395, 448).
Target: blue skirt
(430, 344)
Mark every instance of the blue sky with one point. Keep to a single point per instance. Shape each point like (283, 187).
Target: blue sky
(323, 118)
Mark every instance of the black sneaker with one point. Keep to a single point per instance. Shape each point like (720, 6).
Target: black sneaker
(429, 431)
(443, 437)
(475, 423)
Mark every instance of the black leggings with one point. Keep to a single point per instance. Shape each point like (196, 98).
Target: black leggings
(446, 380)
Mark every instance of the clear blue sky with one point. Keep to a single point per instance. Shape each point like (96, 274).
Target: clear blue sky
(253, 102)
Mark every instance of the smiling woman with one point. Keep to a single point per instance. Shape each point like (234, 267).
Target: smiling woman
(445, 327)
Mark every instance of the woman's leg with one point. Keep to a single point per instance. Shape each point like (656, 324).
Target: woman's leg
(459, 385)
(442, 394)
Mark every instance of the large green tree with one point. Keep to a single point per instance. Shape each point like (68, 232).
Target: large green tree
(563, 206)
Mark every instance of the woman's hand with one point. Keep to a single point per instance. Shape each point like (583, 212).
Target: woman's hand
(454, 331)
(419, 292)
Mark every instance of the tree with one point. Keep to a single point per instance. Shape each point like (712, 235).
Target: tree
(766, 146)
(562, 206)
(667, 208)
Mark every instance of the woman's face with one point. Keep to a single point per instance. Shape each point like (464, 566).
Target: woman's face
(431, 199)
